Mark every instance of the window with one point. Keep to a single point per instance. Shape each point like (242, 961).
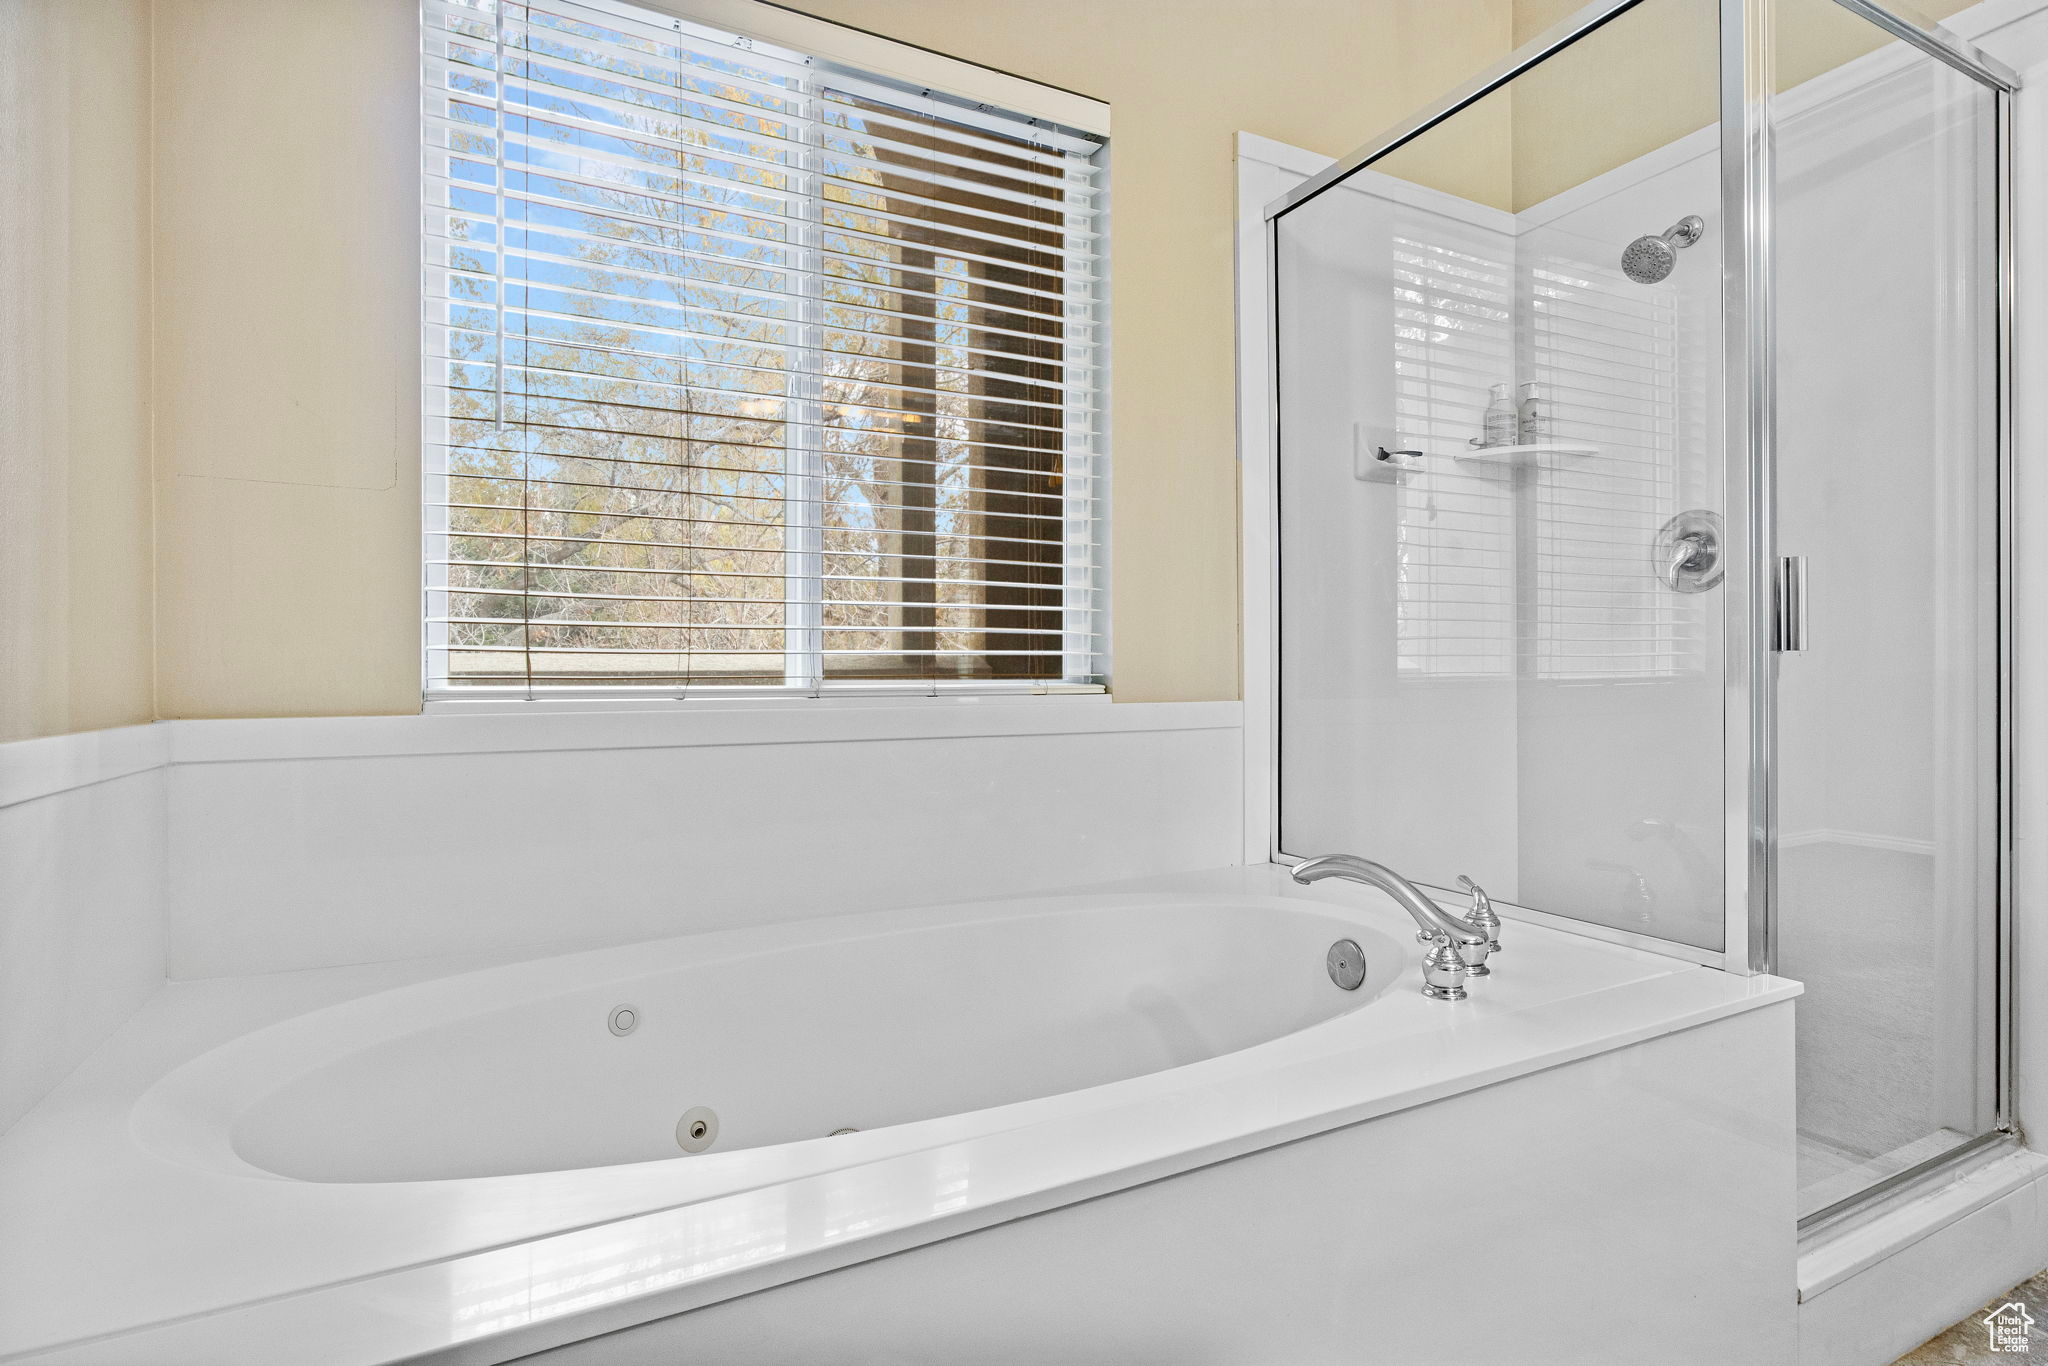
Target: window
(748, 372)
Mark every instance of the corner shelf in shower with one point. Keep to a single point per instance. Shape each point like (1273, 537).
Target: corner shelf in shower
(1522, 455)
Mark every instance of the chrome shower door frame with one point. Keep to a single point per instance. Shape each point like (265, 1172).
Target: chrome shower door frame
(1750, 661)
(1748, 364)
(1745, 29)
(1734, 955)
(1744, 944)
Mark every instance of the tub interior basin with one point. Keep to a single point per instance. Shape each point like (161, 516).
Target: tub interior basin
(858, 1027)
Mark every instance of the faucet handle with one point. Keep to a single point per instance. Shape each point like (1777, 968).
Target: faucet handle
(1444, 972)
(1482, 916)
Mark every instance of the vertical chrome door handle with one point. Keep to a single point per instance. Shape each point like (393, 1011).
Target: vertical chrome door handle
(1789, 630)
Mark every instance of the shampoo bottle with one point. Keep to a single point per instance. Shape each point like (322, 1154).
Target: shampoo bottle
(1502, 421)
(1532, 417)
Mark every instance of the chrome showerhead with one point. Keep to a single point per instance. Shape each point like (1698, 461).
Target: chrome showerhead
(1649, 259)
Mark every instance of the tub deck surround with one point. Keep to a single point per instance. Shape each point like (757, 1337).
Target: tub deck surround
(138, 1232)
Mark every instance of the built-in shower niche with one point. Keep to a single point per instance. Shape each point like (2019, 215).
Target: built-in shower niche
(1484, 668)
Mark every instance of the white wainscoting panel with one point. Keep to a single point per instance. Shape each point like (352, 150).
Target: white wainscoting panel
(1636, 1208)
(294, 846)
(81, 906)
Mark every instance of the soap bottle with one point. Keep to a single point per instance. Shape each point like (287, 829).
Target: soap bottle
(1502, 421)
(1532, 417)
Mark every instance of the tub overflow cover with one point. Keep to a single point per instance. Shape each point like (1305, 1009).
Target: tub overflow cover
(1346, 962)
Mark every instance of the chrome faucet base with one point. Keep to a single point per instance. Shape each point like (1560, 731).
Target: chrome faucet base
(1478, 970)
(1444, 972)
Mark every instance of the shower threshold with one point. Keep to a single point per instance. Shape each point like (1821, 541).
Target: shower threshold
(1831, 1172)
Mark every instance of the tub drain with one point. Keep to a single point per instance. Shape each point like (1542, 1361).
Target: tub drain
(837, 1132)
(697, 1129)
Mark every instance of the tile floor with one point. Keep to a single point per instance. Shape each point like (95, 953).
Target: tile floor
(1968, 1343)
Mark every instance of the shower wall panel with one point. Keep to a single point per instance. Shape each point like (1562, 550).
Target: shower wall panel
(1481, 671)
(1619, 712)
(1397, 736)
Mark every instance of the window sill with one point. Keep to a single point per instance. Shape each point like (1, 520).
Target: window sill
(516, 701)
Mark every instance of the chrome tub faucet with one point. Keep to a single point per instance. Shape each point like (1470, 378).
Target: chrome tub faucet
(1459, 945)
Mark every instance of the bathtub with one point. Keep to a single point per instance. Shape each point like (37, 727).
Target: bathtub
(1127, 1124)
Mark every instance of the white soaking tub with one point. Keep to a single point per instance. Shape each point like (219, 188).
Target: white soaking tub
(411, 1163)
(863, 1023)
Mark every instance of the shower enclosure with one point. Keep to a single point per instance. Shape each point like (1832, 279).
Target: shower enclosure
(1640, 431)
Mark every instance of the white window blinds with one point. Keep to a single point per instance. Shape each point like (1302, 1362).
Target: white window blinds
(746, 371)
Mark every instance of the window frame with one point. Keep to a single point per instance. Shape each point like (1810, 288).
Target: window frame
(862, 59)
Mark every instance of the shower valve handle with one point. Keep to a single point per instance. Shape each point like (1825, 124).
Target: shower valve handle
(1688, 553)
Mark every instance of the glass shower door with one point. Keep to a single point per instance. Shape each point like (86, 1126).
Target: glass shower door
(1582, 383)
(1887, 486)
(1499, 391)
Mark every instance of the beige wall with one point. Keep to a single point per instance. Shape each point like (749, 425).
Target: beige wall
(1643, 81)
(266, 562)
(287, 142)
(1181, 77)
(1651, 77)
(281, 564)
(74, 366)
(1813, 35)
(288, 441)
(287, 566)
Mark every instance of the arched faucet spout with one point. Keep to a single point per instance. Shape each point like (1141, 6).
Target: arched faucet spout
(1428, 917)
